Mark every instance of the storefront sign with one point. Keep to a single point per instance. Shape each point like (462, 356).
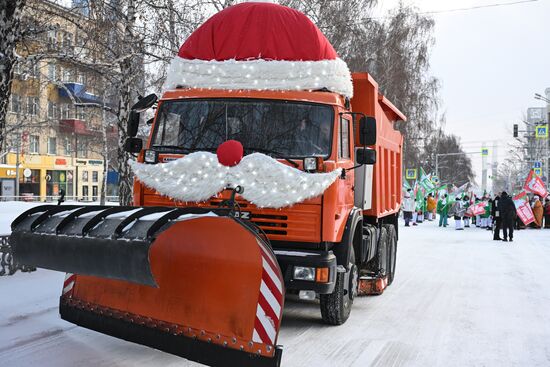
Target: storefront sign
(27, 173)
(94, 161)
(79, 161)
(60, 162)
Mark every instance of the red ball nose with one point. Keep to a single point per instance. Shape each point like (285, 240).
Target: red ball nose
(230, 153)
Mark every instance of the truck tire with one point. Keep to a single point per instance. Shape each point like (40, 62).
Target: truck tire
(336, 307)
(392, 252)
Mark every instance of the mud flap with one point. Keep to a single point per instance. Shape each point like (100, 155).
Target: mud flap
(372, 285)
(192, 282)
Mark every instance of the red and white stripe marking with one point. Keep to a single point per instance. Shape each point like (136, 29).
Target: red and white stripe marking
(68, 284)
(270, 301)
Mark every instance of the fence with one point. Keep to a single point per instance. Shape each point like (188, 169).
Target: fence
(7, 265)
(51, 199)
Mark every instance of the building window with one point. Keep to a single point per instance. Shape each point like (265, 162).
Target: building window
(85, 192)
(67, 40)
(65, 75)
(81, 78)
(84, 176)
(80, 113)
(51, 72)
(82, 148)
(34, 143)
(34, 69)
(64, 111)
(52, 146)
(32, 106)
(15, 103)
(94, 193)
(95, 176)
(52, 110)
(68, 147)
(52, 37)
(17, 68)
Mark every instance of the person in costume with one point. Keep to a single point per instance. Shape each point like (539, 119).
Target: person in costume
(489, 207)
(431, 206)
(547, 213)
(484, 218)
(442, 210)
(466, 204)
(495, 213)
(458, 210)
(537, 212)
(408, 207)
(507, 210)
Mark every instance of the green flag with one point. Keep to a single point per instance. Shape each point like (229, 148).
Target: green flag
(425, 181)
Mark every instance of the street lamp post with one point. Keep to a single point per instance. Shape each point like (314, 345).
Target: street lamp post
(540, 97)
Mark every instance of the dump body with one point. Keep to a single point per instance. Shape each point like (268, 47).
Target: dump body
(385, 187)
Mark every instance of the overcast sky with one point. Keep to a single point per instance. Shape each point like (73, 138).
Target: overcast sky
(491, 62)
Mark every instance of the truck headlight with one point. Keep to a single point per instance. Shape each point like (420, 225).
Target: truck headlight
(304, 273)
(310, 164)
(151, 156)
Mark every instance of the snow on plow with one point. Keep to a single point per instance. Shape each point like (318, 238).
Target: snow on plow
(193, 282)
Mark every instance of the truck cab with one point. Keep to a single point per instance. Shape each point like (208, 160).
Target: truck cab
(321, 244)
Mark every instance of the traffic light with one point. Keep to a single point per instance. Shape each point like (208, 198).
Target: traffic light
(515, 130)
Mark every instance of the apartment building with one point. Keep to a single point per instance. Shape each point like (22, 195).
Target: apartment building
(56, 116)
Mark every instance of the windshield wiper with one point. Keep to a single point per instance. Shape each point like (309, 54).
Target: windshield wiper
(268, 151)
(183, 149)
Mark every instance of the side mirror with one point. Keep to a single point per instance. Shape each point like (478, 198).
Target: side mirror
(367, 130)
(365, 156)
(145, 103)
(133, 145)
(133, 124)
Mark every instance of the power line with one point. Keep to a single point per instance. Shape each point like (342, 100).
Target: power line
(478, 7)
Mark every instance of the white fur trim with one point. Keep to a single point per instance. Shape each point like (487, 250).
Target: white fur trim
(267, 182)
(260, 75)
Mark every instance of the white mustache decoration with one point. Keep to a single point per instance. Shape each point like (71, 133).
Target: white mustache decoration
(267, 183)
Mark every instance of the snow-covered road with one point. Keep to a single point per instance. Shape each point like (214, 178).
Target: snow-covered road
(459, 299)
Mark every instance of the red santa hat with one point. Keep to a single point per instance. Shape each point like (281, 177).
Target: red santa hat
(259, 46)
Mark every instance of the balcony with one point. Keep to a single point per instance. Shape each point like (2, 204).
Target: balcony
(78, 91)
(74, 126)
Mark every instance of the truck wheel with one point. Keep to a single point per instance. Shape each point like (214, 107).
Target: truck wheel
(392, 252)
(336, 307)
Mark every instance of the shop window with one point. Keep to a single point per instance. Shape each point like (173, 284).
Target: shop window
(85, 192)
(32, 106)
(15, 103)
(34, 144)
(52, 110)
(52, 146)
(95, 176)
(94, 193)
(84, 176)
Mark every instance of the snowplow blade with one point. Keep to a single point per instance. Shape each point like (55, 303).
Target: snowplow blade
(193, 282)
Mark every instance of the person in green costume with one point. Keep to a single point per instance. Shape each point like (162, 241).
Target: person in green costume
(442, 210)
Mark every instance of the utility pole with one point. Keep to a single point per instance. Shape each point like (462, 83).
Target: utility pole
(483, 169)
(17, 164)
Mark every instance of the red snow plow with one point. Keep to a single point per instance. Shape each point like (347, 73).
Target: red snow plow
(162, 277)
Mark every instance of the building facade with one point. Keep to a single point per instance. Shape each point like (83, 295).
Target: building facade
(56, 121)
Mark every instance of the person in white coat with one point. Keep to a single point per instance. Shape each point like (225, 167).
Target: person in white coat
(408, 207)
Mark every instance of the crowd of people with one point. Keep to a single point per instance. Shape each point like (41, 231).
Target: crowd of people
(496, 213)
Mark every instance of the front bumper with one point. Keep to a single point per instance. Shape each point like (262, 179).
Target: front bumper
(288, 259)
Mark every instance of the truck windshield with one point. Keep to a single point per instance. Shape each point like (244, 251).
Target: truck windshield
(284, 129)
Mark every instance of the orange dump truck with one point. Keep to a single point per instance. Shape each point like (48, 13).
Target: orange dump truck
(302, 199)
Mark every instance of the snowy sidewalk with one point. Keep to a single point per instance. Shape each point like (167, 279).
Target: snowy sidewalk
(458, 299)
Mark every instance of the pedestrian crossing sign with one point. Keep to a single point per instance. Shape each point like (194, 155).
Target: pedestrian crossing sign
(410, 173)
(541, 132)
(485, 152)
(538, 171)
(537, 164)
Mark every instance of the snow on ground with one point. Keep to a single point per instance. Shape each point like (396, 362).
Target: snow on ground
(458, 299)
